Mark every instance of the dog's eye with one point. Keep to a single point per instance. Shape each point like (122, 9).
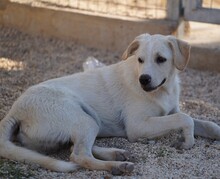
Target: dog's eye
(160, 59)
(140, 60)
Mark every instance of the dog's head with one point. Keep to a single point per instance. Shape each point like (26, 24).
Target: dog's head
(157, 58)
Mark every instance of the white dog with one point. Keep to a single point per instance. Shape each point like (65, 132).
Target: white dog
(137, 97)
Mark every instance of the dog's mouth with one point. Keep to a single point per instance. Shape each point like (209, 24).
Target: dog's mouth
(149, 88)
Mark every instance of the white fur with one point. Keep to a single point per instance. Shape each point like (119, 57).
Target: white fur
(108, 101)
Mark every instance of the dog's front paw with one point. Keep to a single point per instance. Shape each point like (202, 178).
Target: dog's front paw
(182, 144)
(213, 130)
(125, 167)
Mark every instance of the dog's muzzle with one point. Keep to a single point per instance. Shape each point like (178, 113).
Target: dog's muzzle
(145, 81)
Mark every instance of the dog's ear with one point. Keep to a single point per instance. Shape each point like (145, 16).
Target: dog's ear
(131, 49)
(181, 52)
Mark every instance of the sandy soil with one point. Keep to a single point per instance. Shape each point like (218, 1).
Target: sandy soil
(26, 60)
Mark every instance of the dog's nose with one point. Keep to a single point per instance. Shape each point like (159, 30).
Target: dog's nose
(145, 79)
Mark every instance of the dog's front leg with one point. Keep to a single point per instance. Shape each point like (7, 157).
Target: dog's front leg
(152, 127)
(206, 129)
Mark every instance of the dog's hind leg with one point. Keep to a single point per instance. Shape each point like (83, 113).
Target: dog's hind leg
(206, 129)
(110, 154)
(82, 151)
(11, 151)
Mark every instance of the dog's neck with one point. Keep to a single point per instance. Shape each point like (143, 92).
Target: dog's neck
(173, 83)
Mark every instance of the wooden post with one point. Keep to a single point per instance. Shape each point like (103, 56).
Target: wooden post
(173, 10)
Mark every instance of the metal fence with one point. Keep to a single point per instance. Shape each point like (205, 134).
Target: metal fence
(148, 9)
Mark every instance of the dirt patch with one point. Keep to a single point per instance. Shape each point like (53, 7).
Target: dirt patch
(26, 60)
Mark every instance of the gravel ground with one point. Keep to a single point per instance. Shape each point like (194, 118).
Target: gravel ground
(26, 60)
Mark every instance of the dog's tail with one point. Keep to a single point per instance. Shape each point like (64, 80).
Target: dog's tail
(206, 129)
(10, 151)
